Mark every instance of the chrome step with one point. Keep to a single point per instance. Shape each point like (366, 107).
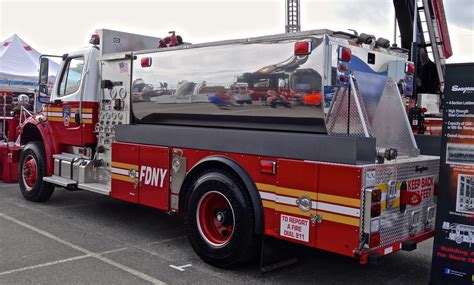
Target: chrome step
(66, 156)
(95, 187)
(61, 181)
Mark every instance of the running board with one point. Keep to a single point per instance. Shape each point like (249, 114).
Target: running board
(95, 187)
(61, 181)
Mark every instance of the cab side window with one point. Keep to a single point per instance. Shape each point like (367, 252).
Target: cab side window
(71, 76)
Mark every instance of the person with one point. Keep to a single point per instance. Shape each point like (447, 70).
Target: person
(221, 100)
(427, 74)
(274, 99)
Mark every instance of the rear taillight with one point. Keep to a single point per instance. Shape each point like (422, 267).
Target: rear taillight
(409, 68)
(343, 66)
(375, 210)
(344, 54)
(343, 79)
(372, 212)
(303, 48)
(409, 78)
(376, 195)
(146, 62)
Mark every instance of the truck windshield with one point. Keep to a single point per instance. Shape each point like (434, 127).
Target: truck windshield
(71, 76)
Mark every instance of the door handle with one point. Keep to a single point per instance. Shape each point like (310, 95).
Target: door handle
(77, 118)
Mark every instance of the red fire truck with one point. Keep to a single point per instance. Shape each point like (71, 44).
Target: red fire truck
(16, 104)
(345, 177)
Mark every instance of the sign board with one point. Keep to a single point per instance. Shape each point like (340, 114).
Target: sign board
(453, 249)
(294, 228)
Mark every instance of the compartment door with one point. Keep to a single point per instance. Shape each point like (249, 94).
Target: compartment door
(154, 177)
(125, 171)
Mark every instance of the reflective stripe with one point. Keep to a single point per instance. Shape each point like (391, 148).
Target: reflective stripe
(120, 171)
(313, 195)
(339, 200)
(286, 191)
(336, 209)
(122, 177)
(55, 114)
(74, 109)
(316, 205)
(124, 165)
(55, 119)
(267, 196)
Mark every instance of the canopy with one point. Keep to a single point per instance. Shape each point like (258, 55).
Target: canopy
(19, 63)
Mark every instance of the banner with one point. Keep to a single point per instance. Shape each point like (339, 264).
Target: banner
(453, 249)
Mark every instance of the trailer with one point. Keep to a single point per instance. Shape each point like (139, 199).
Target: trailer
(345, 177)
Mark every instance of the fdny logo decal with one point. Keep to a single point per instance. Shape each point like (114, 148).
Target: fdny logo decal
(66, 115)
(152, 176)
(132, 173)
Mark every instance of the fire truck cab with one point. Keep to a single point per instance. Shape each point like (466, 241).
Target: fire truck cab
(344, 176)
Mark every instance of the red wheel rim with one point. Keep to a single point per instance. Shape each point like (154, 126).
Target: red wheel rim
(29, 172)
(215, 218)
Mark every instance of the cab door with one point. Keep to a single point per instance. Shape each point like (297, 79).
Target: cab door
(62, 109)
(70, 111)
(154, 177)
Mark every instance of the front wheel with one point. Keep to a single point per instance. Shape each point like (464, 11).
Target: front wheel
(220, 220)
(32, 169)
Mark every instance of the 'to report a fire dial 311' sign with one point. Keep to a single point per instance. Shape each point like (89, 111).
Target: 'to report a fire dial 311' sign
(453, 250)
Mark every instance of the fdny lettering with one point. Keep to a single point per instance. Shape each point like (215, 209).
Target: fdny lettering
(152, 176)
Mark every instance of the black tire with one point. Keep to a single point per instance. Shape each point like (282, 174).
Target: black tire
(243, 243)
(40, 191)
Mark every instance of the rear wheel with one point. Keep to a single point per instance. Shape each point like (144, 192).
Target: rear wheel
(220, 220)
(32, 169)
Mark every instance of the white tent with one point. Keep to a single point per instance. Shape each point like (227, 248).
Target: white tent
(19, 63)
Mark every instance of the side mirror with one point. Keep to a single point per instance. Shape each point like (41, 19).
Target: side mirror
(44, 69)
(43, 96)
(43, 91)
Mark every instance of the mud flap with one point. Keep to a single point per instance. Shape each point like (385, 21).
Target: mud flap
(273, 257)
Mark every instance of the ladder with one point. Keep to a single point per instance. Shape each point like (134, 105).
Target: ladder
(292, 16)
(430, 28)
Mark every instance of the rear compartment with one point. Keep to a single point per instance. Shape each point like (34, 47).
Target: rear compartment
(405, 212)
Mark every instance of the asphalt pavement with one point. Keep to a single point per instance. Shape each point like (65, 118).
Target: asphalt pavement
(86, 238)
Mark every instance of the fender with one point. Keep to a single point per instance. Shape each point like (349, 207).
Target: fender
(41, 125)
(246, 179)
